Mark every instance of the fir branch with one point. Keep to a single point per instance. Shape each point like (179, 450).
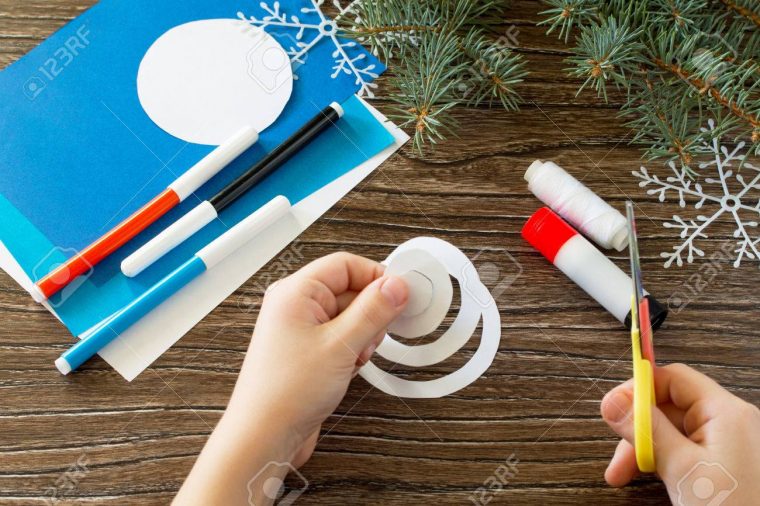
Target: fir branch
(427, 90)
(678, 62)
(606, 52)
(442, 56)
(494, 72)
(703, 86)
(565, 14)
(743, 11)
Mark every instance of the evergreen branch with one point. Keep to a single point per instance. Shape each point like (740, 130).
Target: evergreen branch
(427, 90)
(679, 61)
(493, 72)
(607, 51)
(703, 86)
(441, 57)
(742, 11)
(565, 14)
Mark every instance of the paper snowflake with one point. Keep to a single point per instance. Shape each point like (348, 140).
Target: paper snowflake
(727, 192)
(303, 31)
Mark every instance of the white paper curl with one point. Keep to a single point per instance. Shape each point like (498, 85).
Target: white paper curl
(473, 307)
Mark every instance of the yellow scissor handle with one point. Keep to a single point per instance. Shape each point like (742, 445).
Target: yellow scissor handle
(643, 400)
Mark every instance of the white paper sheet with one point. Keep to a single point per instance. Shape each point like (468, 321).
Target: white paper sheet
(148, 339)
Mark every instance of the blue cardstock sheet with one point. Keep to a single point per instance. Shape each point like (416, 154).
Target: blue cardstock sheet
(80, 155)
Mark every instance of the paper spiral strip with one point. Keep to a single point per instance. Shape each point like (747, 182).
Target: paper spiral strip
(477, 303)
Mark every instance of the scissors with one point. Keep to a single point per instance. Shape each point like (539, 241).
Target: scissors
(643, 356)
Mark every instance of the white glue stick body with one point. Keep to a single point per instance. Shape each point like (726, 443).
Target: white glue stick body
(588, 267)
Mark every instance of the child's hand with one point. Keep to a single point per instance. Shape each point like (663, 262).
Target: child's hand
(706, 440)
(315, 329)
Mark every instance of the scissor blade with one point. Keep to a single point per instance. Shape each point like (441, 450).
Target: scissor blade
(633, 250)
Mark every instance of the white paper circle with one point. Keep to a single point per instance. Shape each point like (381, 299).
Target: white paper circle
(434, 273)
(467, 319)
(460, 267)
(205, 80)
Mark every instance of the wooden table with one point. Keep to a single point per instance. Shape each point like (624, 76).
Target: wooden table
(94, 437)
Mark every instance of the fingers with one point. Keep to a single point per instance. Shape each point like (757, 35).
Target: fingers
(366, 355)
(345, 299)
(341, 272)
(370, 313)
(669, 442)
(684, 386)
(622, 468)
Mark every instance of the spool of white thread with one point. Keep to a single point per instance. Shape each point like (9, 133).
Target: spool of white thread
(584, 209)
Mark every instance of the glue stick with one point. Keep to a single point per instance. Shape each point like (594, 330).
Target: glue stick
(588, 267)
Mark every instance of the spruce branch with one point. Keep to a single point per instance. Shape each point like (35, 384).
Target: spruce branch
(427, 90)
(742, 10)
(442, 54)
(494, 71)
(678, 61)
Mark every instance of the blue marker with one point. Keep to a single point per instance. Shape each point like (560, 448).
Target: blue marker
(203, 260)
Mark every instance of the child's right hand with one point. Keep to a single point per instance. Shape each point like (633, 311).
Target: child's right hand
(706, 440)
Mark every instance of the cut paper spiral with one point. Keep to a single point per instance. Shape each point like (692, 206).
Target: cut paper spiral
(476, 304)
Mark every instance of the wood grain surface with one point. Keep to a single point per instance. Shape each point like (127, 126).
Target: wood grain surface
(92, 437)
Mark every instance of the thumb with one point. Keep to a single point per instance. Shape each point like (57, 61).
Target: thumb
(669, 441)
(370, 313)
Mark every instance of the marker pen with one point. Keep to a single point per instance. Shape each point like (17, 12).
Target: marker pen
(208, 210)
(588, 267)
(205, 259)
(171, 197)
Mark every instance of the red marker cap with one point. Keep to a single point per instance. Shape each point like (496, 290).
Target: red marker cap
(547, 232)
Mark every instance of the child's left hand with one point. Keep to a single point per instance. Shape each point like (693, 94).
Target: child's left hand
(315, 329)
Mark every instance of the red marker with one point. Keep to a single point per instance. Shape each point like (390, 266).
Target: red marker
(178, 191)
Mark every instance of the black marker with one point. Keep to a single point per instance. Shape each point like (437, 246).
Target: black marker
(207, 211)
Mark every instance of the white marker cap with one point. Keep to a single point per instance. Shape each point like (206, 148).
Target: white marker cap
(338, 108)
(63, 366)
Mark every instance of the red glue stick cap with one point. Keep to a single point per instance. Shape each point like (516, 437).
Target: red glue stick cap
(547, 232)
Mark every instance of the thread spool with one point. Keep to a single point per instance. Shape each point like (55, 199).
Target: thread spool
(576, 203)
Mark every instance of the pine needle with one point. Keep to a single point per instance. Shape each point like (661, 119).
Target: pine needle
(442, 54)
(680, 62)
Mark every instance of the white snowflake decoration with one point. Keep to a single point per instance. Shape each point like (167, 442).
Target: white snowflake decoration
(720, 194)
(314, 28)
